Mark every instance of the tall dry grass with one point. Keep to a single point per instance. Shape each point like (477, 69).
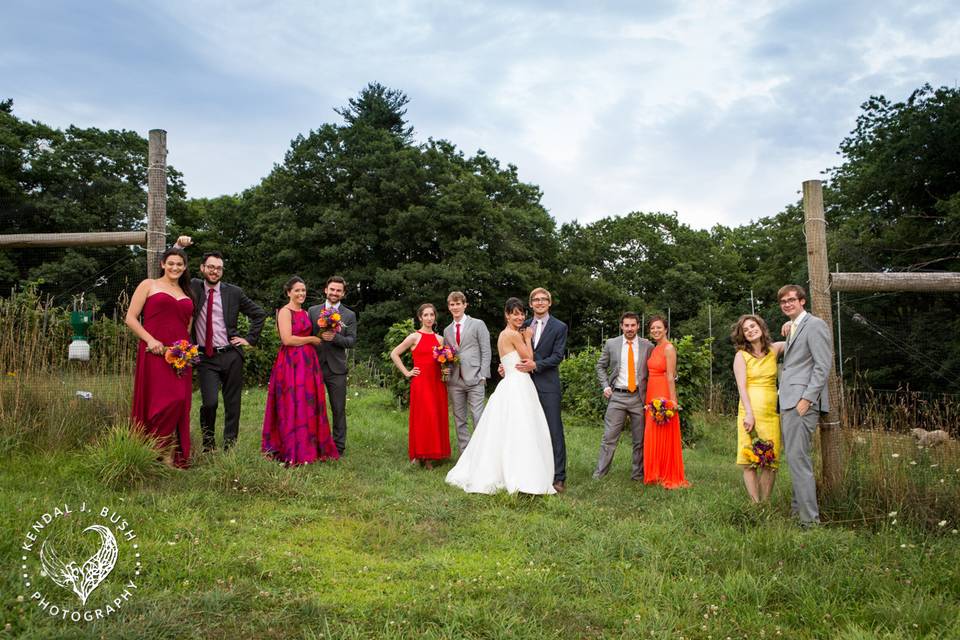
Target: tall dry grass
(39, 402)
(899, 411)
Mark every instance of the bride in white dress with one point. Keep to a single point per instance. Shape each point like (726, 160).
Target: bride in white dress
(510, 447)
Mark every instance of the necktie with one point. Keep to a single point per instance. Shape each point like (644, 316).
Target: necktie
(793, 331)
(631, 369)
(536, 332)
(208, 337)
(458, 334)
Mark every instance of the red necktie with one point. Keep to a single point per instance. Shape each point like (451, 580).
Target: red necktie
(458, 334)
(208, 339)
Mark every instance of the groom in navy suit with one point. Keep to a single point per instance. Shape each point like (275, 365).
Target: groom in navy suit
(549, 339)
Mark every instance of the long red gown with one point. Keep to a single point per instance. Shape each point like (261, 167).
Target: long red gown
(295, 425)
(662, 448)
(429, 420)
(161, 398)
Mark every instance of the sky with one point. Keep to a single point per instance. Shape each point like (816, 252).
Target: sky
(716, 110)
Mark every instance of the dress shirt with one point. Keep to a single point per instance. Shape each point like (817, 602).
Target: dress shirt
(539, 324)
(220, 338)
(621, 382)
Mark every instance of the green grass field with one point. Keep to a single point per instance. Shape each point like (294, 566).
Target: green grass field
(371, 546)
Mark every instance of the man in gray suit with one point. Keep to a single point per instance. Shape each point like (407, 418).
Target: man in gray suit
(468, 378)
(622, 372)
(803, 396)
(332, 353)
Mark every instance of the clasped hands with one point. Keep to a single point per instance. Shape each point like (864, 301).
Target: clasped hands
(526, 365)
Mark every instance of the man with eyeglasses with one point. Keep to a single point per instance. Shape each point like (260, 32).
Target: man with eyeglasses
(548, 335)
(221, 346)
(807, 357)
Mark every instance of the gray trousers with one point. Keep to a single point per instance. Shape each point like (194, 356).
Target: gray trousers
(619, 407)
(798, 433)
(461, 397)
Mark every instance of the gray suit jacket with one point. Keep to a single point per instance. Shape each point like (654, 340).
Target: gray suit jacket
(608, 366)
(334, 354)
(806, 364)
(473, 351)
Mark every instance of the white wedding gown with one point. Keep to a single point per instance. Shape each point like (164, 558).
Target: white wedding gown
(510, 447)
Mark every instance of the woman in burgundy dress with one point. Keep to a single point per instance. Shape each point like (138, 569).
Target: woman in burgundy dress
(295, 426)
(161, 396)
(429, 438)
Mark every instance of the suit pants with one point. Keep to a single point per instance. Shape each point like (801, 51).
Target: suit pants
(336, 384)
(461, 397)
(223, 370)
(798, 433)
(551, 409)
(619, 407)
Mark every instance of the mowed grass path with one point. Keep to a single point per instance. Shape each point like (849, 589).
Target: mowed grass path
(370, 546)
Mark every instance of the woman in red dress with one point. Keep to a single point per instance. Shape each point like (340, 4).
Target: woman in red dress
(161, 396)
(295, 426)
(429, 420)
(662, 448)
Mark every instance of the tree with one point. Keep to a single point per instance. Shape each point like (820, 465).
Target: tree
(894, 204)
(380, 108)
(73, 180)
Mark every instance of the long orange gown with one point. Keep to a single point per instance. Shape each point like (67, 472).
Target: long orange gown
(662, 449)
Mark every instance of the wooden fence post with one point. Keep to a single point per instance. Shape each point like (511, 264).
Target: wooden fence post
(156, 201)
(815, 226)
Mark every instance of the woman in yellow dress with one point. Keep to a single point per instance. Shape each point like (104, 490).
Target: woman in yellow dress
(755, 368)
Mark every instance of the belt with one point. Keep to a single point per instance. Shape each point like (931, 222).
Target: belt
(217, 349)
(623, 390)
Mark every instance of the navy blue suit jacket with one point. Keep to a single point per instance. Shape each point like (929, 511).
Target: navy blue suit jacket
(548, 355)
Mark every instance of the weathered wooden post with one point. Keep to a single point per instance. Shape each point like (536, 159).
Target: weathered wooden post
(156, 201)
(815, 226)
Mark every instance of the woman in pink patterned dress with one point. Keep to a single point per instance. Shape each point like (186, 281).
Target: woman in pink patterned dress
(295, 425)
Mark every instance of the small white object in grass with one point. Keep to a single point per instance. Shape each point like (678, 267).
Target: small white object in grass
(894, 455)
(86, 395)
(942, 523)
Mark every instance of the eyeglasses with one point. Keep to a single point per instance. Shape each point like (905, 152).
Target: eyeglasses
(215, 269)
(540, 300)
(789, 301)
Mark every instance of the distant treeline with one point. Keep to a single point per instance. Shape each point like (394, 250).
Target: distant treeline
(406, 222)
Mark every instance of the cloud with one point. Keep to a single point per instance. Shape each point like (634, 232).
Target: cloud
(717, 110)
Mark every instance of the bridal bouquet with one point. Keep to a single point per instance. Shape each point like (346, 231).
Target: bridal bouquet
(446, 356)
(662, 410)
(761, 455)
(181, 354)
(329, 320)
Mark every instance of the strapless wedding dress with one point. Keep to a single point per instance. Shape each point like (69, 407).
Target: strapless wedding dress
(510, 447)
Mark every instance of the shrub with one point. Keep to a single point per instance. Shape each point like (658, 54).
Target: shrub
(693, 384)
(258, 361)
(125, 457)
(395, 381)
(581, 392)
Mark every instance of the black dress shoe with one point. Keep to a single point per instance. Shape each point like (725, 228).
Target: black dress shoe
(559, 486)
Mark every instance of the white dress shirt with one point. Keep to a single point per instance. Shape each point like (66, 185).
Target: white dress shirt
(621, 382)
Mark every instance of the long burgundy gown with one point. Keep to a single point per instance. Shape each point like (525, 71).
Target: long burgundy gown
(429, 420)
(295, 425)
(161, 398)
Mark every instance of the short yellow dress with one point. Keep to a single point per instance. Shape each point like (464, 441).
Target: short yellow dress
(762, 389)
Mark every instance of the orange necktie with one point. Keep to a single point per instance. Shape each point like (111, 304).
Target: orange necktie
(631, 369)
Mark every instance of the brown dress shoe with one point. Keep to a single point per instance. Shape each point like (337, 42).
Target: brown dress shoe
(559, 486)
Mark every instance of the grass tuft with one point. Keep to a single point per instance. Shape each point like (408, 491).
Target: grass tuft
(124, 457)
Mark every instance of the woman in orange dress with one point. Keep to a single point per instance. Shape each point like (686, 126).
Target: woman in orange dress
(662, 448)
(429, 433)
